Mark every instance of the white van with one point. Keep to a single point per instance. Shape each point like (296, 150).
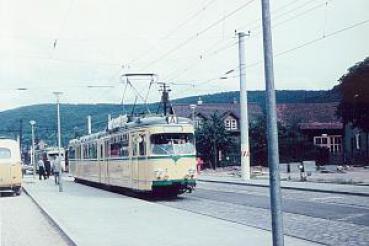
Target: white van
(10, 166)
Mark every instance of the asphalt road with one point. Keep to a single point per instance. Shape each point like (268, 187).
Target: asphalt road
(22, 223)
(326, 218)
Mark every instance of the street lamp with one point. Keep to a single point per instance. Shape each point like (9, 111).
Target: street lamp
(33, 164)
(58, 94)
(193, 107)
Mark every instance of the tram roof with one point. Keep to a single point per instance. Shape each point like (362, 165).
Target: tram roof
(138, 122)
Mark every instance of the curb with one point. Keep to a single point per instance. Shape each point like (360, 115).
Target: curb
(288, 188)
(51, 219)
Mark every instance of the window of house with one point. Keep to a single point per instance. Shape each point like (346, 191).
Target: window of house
(324, 140)
(199, 121)
(333, 143)
(233, 124)
(227, 124)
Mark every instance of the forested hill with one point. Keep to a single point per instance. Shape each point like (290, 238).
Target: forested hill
(283, 96)
(74, 115)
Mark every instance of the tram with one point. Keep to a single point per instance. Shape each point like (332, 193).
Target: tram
(150, 154)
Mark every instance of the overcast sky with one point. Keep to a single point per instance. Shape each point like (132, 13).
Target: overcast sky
(68, 45)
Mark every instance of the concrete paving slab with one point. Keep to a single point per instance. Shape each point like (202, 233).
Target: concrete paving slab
(91, 216)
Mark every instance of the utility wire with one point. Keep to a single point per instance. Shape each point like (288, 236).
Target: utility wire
(177, 28)
(232, 44)
(308, 43)
(274, 26)
(196, 35)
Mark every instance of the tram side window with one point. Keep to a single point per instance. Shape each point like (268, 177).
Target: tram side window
(139, 145)
(119, 146)
(72, 153)
(142, 146)
(78, 152)
(85, 152)
(92, 151)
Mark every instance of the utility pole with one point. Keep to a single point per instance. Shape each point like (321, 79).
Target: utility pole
(272, 129)
(20, 134)
(245, 147)
(57, 94)
(33, 163)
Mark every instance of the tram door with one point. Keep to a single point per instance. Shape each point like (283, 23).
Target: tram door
(100, 161)
(138, 154)
(135, 161)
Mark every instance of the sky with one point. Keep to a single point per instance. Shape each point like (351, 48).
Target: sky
(82, 47)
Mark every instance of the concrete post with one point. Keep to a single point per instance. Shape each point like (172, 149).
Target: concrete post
(272, 129)
(244, 123)
(57, 94)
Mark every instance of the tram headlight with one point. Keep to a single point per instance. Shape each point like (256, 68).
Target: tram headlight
(158, 173)
(191, 172)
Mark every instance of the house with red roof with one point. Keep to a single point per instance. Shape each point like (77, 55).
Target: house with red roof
(316, 121)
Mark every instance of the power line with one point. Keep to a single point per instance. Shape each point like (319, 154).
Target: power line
(177, 28)
(196, 35)
(310, 42)
(223, 48)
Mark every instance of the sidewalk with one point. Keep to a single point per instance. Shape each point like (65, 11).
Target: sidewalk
(91, 216)
(308, 186)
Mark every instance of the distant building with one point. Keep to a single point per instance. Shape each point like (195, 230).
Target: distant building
(326, 135)
(317, 122)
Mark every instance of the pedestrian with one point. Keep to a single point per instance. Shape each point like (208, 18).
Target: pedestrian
(57, 168)
(199, 164)
(47, 167)
(41, 169)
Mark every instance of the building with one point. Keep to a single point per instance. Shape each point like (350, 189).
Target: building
(326, 135)
(316, 121)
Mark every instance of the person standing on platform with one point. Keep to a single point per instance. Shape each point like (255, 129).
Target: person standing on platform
(47, 167)
(57, 168)
(41, 169)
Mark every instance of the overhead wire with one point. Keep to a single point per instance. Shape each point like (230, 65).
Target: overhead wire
(174, 30)
(196, 35)
(305, 44)
(227, 46)
(178, 27)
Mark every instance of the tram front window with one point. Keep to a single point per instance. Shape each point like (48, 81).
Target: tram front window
(172, 144)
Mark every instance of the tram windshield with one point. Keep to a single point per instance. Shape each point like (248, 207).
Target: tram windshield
(172, 144)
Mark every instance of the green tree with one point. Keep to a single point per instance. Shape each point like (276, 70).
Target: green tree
(211, 138)
(354, 89)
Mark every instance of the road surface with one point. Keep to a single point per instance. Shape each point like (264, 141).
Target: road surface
(330, 219)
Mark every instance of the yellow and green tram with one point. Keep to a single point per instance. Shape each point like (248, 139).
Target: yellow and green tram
(153, 154)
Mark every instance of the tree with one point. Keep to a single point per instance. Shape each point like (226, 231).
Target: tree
(354, 89)
(211, 138)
